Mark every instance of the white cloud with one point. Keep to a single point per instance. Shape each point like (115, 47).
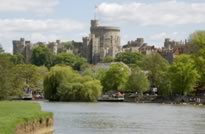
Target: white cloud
(36, 6)
(161, 36)
(36, 30)
(29, 25)
(160, 13)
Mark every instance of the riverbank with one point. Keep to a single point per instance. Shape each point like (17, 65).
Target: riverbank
(192, 100)
(18, 117)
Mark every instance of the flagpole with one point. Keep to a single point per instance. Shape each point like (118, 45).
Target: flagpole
(95, 16)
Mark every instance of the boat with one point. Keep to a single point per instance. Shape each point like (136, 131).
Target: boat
(112, 97)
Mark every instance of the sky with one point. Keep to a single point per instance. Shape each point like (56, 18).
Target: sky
(49, 20)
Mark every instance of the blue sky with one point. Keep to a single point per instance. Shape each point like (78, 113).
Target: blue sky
(48, 20)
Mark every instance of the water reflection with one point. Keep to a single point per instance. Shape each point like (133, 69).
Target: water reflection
(121, 118)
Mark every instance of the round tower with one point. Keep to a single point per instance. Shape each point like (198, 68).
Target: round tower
(94, 23)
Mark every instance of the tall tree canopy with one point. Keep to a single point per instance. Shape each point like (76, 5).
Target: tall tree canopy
(27, 76)
(130, 58)
(156, 65)
(183, 75)
(137, 81)
(70, 59)
(116, 77)
(197, 49)
(42, 56)
(5, 76)
(17, 59)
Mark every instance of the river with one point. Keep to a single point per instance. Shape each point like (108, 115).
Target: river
(126, 118)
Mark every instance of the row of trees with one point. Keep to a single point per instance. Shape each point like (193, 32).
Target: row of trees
(133, 72)
(41, 55)
(184, 76)
(153, 70)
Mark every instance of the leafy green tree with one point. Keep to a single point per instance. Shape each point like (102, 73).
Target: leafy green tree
(197, 49)
(41, 73)
(116, 77)
(17, 59)
(100, 74)
(65, 84)
(42, 56)
(54, 79)
(130, 58)
(156, 65)
(91, 89)
(68, 45)
(25, 76)
(183, 75)
(71, 60)
(164, 85)
(5, 76)
(137, 81)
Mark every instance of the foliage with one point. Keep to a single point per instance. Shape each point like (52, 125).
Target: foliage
(5, 76)
(100, 74)
(164, 85)
(68, 45)
(71, 60)
(108, 59)
(116, 77)
(197, 46)
(183, 75)
(64, 84)
(41, 56)
(137, 81)
(17, 59)
(198, 38)
(13, 113)
(156, 65)
(26, 75)
(130, 58)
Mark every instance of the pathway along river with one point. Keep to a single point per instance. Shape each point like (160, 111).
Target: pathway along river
(126, 118)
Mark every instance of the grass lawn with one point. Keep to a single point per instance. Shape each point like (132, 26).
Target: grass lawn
(15, 112)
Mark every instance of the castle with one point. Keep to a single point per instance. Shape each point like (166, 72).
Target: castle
(139, 46)
(103, 41)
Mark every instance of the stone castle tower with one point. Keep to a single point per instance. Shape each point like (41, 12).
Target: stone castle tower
(23, 47)
(103, 41)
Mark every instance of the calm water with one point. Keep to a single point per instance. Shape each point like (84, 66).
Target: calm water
(126, 118)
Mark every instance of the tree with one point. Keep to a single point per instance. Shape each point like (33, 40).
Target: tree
(197, 49)
(64, 84)
(71, 60)
(130, 58)
(42, 56)
(5, 76)
(116, 77)
(183, 75)
(17, 59)
(156, 65)
(137, 82)
(25, 76)
(164, 85)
